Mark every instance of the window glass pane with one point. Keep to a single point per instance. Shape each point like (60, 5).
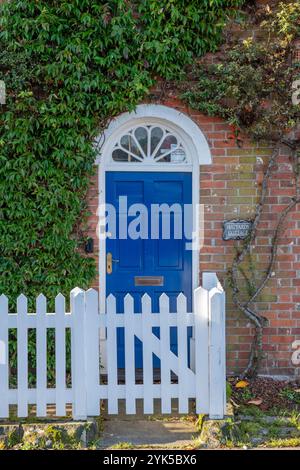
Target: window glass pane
(168, 143)
(141, 136)
(128, 143)
(120, 155)
(156, 136)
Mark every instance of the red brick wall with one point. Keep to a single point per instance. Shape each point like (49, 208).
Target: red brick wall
(229, 188)
(92, 223)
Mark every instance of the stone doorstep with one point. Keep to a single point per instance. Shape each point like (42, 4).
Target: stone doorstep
(157, 431)
(84, 432)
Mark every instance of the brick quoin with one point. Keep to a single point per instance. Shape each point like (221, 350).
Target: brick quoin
(229, 189)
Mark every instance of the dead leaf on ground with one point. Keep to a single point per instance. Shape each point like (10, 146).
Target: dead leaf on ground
(256, 402)
(241, 384)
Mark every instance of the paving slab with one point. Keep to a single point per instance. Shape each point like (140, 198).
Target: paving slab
(173, 433)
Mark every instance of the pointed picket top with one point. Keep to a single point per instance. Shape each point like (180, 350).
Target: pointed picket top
(75, 294)
(181, 303)
(41, 304)
(164, 303)
(22, 304)
(128, 304)
(77, 301)
(91, 294)
(199, 289)
(201, 300)
(111, 304)
(76, 291)
(3, 304)
(60, 305)
(59, 300)
(146, 303)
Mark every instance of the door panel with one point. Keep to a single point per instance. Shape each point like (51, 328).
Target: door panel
(167, 259)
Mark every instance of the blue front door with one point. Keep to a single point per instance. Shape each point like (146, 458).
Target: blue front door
(158, 260)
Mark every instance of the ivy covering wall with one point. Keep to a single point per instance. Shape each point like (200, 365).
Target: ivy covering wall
(69, 67)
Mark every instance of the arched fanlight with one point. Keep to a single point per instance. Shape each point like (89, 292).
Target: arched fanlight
(149, 144)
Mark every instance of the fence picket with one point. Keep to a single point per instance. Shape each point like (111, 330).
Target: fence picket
(22, 352)
(41, 356)
(164, 308)
(92, 352)
(112, 370)
(201, 308)
(78, 351)
(147, 355)
(217, 374)
(129, 355)
(4, 408)
(60, 355)
(183, 403)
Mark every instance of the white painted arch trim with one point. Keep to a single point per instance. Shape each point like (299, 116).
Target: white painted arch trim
(180, 122)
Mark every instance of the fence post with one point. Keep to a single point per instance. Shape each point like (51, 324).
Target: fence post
(78, 352)
(92, 352)
(201, 346)
(217, 370)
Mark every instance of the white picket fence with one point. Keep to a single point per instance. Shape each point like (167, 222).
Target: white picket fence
(203, 380)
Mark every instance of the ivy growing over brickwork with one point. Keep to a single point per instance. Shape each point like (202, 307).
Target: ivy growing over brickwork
(69, 67)
(251, 86)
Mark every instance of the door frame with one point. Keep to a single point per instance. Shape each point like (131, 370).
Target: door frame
(199, 154)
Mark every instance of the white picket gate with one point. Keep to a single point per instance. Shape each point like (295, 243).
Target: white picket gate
(202, 380)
